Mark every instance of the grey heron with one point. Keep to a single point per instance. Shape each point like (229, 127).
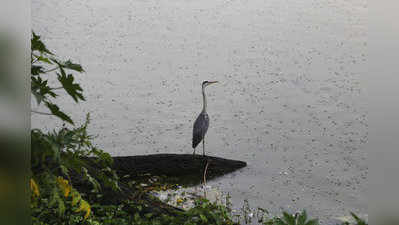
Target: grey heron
(201, 124)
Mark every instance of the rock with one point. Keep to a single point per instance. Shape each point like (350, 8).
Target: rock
(180, 168)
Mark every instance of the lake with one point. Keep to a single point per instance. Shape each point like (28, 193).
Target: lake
(289, 100)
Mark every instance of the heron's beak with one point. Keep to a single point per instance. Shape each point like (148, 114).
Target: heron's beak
(212, 82)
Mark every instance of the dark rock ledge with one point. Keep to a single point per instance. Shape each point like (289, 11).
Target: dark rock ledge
(181, 168)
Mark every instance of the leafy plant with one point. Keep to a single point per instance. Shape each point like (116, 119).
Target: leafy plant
(206, 212)
(45, 63)
(59, 155)
(289, 219)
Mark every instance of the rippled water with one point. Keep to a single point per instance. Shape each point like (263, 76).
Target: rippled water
(288, 102)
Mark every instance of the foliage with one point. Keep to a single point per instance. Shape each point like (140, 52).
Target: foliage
(44, 63)
(205, 212)
(302, 219)
(289, 219)
(263, 217)
(58, 155)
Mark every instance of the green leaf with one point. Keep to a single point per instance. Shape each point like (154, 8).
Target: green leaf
(68, 65)
(279, 221)
(358, 220)
(94, 182)
(44, 59)
(203, 218)
(73, 89)
(289, 219)
(40, 89)
(64, 170)
(73, 66)
(56, 112)
(61, 207)
(39, 98)
(36, 70)
(56, 199)
(75, 197)
(38, 45)
(302, 218)
(313, 222)
(136, 217)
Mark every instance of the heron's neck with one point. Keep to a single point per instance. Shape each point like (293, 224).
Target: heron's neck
(204, 98)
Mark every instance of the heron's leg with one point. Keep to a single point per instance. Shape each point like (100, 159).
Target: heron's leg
(194, 152)
(203, 146)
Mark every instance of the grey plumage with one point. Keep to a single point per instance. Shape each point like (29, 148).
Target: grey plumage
(201, 124)
(200, 128)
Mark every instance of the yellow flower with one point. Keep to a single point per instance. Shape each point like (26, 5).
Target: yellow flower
(64, 186)
(179, 200)
(34, 188)
(84, 206)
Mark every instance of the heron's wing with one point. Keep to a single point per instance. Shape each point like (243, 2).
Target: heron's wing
(200, 128)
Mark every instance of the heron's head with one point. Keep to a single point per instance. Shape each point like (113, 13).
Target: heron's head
(207, 83)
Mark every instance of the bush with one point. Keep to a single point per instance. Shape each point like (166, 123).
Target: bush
(57, 155)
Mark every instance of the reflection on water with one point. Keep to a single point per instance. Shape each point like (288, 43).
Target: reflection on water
(288, 101)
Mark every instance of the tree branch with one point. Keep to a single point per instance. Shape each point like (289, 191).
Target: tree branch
(42, 113)
(50, 70)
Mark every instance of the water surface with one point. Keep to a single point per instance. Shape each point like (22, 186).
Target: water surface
(288, 102)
